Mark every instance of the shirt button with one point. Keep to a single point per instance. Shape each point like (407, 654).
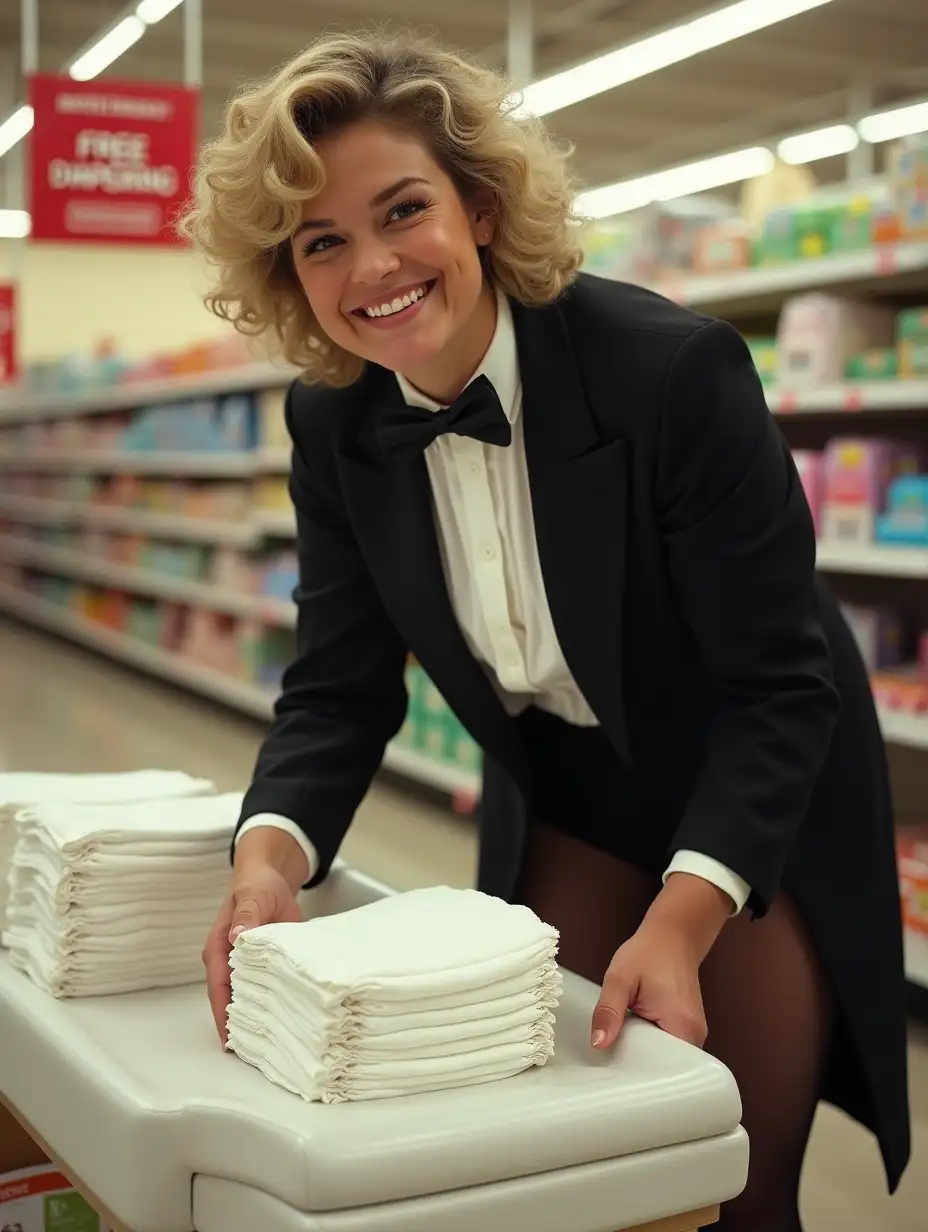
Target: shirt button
(475, 469)
(488, 551)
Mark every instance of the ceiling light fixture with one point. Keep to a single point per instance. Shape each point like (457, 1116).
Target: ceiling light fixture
(656, 51)
(109, 47)
(675, 182)
(820, 143)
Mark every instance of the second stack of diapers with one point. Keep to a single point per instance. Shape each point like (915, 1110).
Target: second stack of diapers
(423, 991)
(24, 789)
(117, 898)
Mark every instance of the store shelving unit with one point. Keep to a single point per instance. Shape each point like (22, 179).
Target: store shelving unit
(739, 297)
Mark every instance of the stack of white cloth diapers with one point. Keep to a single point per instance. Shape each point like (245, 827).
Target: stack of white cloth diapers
(118, 897)
(423, 991)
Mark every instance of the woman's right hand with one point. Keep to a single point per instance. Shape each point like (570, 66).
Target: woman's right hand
(267, 874)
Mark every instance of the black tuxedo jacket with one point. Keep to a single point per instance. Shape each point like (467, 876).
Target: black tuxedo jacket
(677, 551)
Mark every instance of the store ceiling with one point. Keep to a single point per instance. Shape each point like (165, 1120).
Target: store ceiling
(796, 74)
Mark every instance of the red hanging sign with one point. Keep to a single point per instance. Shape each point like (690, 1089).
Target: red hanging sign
(110, 161)
(8, 365)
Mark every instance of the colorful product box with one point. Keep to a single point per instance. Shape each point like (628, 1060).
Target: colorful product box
(764, 354)
(817, 334)
(912, 334)
(905, 522)
(857, 476)
(41, 1199)
(912, 859)
(878, 633)
(876, 364)
(810, 465)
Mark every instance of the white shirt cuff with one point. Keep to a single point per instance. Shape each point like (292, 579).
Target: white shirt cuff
(713, 871)
(276, 822)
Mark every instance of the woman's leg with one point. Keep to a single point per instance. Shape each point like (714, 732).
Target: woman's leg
(769, 1011)
(594, 899)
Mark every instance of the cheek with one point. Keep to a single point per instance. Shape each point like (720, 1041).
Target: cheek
(323, 293)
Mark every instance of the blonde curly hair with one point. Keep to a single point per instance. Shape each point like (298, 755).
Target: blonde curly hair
(253, 180)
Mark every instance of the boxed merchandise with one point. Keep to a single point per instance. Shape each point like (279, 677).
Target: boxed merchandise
(818, 334)
(42, 1199)
(878, 633)
(908, 181)
(903, 688)
(272, 427)
(764, 354)
(856, 480)
(912, 859)
(905, 522)
(810, 465)
(875, 364)
(912, 335)
(724, 246)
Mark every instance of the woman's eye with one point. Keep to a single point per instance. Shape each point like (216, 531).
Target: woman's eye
(322, 243)
(405, 209)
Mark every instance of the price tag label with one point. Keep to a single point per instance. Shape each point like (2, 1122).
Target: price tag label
(886, 261)
(786, 404)
(853, 400)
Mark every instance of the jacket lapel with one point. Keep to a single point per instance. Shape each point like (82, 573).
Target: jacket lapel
(390, 505)
(579, 490)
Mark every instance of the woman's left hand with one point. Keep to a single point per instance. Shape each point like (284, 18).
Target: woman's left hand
(655, 975)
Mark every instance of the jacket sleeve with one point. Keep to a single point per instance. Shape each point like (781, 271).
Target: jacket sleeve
(741, 552)
(343, 697)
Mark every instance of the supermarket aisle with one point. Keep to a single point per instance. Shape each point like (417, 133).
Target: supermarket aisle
(64, 709)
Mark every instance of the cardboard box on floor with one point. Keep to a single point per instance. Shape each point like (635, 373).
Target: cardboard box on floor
(41, 1199)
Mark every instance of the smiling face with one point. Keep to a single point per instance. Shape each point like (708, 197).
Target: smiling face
(387, 256)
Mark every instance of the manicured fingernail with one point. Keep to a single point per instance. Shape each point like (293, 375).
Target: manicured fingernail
(236, 933)
(599, 1037)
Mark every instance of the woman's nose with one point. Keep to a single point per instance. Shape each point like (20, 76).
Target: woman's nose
(374, 261)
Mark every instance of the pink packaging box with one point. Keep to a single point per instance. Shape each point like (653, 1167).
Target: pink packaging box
(810, 465)
(858, 471)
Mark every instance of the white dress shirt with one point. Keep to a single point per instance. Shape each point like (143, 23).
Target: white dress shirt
(486, 533)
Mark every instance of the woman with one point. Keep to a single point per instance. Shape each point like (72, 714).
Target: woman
(567, 498)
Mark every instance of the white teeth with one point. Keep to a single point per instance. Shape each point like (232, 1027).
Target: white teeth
(397, 305)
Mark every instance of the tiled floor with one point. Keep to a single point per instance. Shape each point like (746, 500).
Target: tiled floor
(63, 709)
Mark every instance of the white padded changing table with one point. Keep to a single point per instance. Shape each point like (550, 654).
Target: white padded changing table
(164, 1132)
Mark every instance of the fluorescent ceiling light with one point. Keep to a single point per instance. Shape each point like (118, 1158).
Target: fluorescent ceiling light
(821, 143)
(152, 11)
(657, 51)
(107, 49)
(15, 127)
(900, 122)
(14, 224)
(676, 182)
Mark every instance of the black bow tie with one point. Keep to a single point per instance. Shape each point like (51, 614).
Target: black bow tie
(405, 431)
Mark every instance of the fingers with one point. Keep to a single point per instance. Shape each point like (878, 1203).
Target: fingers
(610, 1011)
(249, 913)
(218, 978)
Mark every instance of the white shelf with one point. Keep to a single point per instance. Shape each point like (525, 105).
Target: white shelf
(851, 397)
(68, 563)
(273, 458)
(280, 523)
(196, 464)
(433, 773)
(252, 699)
(163, 663)
(916, 958)
(901, 727)
(873, 559)
(21, 407)
(754, 287)
(130, 521)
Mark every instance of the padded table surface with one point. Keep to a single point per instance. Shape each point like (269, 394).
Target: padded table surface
(135, 1095)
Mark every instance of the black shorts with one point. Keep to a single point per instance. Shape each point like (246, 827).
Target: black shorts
(580, 786)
